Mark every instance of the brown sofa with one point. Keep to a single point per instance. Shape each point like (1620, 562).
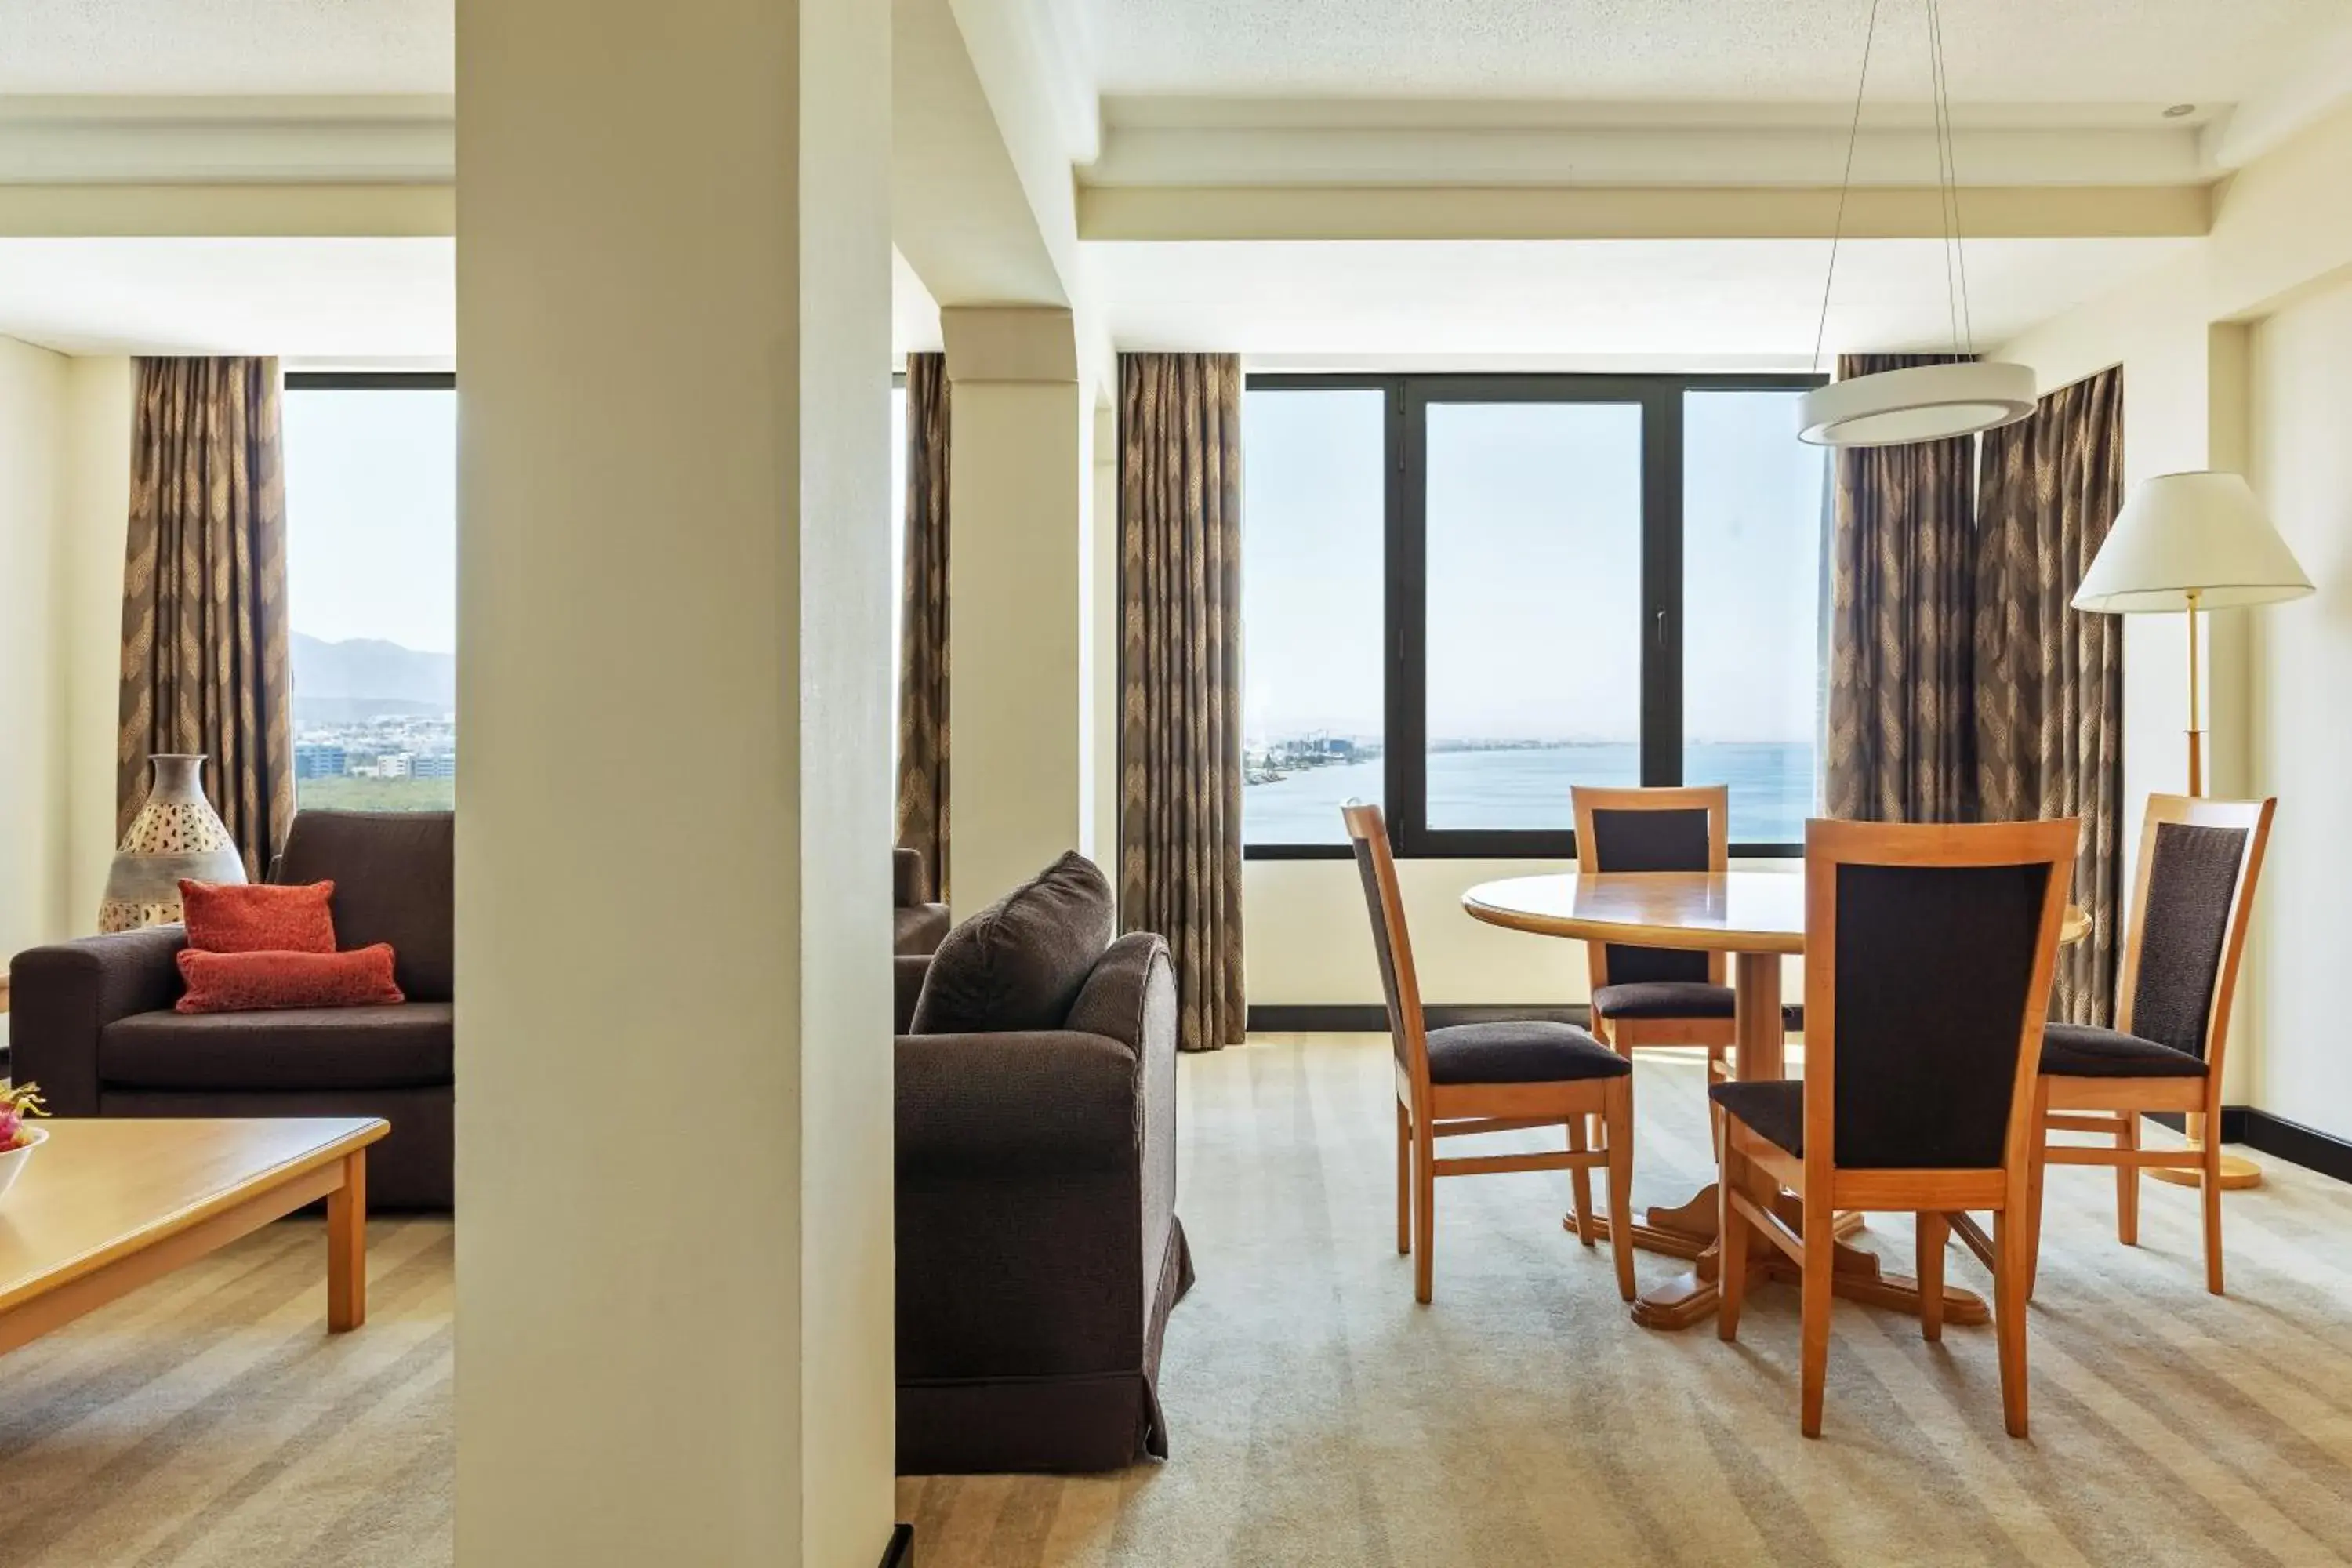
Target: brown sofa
(94, 1027)
(1039, 1251)
(915, 926)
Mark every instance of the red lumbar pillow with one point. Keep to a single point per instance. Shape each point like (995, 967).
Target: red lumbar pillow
(259, 917)
(249, 981)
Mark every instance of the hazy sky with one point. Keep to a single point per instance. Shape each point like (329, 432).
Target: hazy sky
(372, 516)
(1534, 562)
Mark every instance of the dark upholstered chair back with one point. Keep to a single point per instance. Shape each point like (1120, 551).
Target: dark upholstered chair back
(2195, 886)
(1924, 1030)
(394, 876)
(1368, 833)
(1680, 829)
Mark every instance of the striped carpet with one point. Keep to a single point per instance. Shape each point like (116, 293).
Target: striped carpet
(1321, 1418)
(209, 1421)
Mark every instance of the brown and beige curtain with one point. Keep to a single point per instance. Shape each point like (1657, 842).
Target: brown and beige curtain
(1180, 762)
(2050, 679)
(921, 815)
(1900, 727)
(204, 651)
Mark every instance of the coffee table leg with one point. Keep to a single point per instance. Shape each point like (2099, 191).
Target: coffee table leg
(347, 1247)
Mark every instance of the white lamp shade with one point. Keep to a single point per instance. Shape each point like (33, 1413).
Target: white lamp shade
(2200, 532)
(1918, 403)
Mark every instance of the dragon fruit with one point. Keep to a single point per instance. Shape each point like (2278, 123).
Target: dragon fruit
(16, 1104)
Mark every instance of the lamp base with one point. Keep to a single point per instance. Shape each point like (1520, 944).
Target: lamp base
(2237, 1173)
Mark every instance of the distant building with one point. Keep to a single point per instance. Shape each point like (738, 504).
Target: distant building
(313, 760)
(396, 766)
(434, 766)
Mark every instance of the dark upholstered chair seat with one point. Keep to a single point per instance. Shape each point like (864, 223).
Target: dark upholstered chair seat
(295, 1050)
(2083, 1050)
(1663, 999)
(1775, 1108)
(1519, 1051)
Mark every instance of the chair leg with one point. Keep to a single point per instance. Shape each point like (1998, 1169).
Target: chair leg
(1580, 1181)
(1617, 1128)
(1424, 1212)
(1404, 1180)
(2212, 1195)
(1933, 1232)
(2037, 1167)
(2012, 1257)
(1813, 1346)
(1731, 1235)
(2127, 1181)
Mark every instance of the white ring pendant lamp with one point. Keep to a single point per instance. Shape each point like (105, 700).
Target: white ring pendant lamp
(1928, 401)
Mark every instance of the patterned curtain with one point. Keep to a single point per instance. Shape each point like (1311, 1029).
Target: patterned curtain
(921, 817)
(1901, 721)
(2050, 681)
(1180, 754)
(204, 655)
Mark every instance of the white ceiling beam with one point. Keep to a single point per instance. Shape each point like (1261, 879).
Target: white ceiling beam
(2318, 82)
(167, 140)
(1685, 212)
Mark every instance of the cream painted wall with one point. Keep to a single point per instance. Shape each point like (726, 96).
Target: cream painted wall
(1102, 591)
(2302, 408)
(674, 1137)
(97, 511)
(32, 709)
(2282, 233)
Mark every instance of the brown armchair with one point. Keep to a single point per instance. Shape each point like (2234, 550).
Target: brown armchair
(1039, 1251)
(94, 1025)
(917, 925)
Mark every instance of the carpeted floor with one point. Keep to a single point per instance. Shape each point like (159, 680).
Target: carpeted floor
(1319, 1417)
(210, 1421)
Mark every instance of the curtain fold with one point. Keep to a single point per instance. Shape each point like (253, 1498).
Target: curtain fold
(204, 640)
(921, 817)
(1901, 727)
(1179, 825)
(2049, 709)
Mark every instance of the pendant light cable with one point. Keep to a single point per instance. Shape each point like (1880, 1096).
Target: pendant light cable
(1845, 184)
(1949, 163)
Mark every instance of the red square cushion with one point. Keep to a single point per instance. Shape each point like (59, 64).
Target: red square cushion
(251, 981)
(259, 917)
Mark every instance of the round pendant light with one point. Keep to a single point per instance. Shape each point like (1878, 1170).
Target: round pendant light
(1922, 403)
(1926, 402)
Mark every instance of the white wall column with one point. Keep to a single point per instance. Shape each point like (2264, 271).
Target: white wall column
(1020, 489)
(674, 1172)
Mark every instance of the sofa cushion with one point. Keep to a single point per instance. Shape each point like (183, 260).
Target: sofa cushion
(918, 929)
(1019, 963)
(255, 982)
(259, 917)
(395, 882)
(292, 1051)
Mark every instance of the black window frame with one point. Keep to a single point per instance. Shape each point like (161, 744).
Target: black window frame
(1404, 614)
(371, 381)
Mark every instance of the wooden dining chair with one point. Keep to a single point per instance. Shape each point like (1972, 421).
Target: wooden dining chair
(1649, 995)
(2192, 895)
(1929, 953)
(1499, 1076)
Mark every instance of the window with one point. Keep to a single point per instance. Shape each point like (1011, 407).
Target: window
(372, 586)
(1462, 595)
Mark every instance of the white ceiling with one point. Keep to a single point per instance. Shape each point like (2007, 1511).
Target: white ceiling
(228, 45)
(1690, 303)
(2059, 51)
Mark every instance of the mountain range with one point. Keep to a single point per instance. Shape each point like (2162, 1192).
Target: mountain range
(344, 682)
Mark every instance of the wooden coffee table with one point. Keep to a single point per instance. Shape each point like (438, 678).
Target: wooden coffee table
(106, 1205)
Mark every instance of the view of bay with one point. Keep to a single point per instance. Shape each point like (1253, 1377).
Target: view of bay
(1526, 787)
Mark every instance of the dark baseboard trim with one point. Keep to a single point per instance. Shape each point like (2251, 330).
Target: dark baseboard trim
(2233, 1123)
(1371, 1018)
(2297, 1144)
(900, 1553)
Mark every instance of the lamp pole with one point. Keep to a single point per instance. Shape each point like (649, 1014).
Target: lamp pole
(2196, 724)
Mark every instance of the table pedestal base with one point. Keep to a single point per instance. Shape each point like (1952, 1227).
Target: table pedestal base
(1690, 1297)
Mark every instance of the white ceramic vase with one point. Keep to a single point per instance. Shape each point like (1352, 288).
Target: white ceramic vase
(177, 834)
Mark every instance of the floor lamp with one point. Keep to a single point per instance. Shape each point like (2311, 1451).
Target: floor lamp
(2191, 542)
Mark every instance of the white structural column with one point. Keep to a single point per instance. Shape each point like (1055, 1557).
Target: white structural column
(1019, 500)
(673, 1114)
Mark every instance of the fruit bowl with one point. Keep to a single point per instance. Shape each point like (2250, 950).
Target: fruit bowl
(14, 1160)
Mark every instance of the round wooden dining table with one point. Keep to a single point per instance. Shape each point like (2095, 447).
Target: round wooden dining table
(1759, 918)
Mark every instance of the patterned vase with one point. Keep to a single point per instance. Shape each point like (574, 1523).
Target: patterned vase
(177, 834)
